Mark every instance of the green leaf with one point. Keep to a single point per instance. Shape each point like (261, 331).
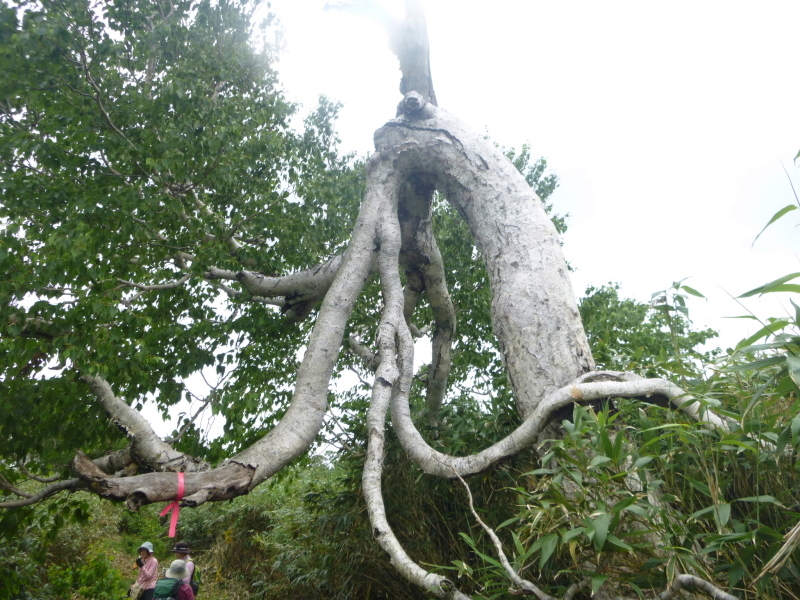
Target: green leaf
(722, 514)
(642, 461)
(757, 364)
(767, 330)
(702, 512)
(597, 581)
(793, 363)
(601, 523)
(769, 286)
(786, 209)
(617, 545)
(796, 428)
(599, 460)
(572, 533)
(692, 291)
(549, 546)
(764, 499)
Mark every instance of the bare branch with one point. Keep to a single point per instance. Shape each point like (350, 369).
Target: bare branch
(690, 582)
(280, 302)
(512, 574)
(367, 356)
(68, 484)
(205, 404)
(6, 485)
(30, 475)
(153, 287)
(302, 290)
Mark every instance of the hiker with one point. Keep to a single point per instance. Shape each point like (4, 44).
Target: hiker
(181, 550)
(145, 583)
(172, 586)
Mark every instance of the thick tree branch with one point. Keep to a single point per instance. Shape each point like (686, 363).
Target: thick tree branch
(304, 417)
(391, 329)
(543, 349)
(435, 463)
(409, 41)
(147, 449)
(228, 481)
(302, 290)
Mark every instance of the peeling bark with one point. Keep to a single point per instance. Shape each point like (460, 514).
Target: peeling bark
(229, 481)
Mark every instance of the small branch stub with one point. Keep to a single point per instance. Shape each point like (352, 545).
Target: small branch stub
(412, 103)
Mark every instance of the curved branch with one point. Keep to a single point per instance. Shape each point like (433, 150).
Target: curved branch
(534, 314)
(146, 448)
(29, 475)
(304, 417)
(444, 314)
(690, 582)
(391, 330)
(5, 484)
(59, 486)
(436, 463)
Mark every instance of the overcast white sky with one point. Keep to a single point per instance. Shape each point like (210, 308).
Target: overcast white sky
(667, 123)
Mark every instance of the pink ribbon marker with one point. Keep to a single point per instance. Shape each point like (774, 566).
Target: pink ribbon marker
(175, 507)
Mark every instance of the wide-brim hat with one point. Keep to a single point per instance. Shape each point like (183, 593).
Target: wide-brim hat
(146, 546)
(177, 570)
(181, 547)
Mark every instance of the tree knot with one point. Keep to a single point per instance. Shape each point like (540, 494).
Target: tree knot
(413, 105)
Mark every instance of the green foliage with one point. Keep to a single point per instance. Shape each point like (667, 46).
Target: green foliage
(654, 340)
(61, 550)
(137, 135)
(635, 492)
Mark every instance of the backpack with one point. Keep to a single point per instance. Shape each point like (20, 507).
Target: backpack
(195, 581)
(167, 588)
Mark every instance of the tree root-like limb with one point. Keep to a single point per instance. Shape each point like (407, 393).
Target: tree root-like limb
(690, 582)
(436, 463)
(444, 315)
(392, 330)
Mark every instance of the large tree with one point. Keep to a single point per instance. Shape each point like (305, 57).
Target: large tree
(161, 221)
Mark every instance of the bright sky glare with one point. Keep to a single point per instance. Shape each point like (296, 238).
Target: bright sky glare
(668, 124)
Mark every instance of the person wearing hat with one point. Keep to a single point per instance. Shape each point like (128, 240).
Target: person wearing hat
(181, 550)
(172, 585)
(148, 572)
